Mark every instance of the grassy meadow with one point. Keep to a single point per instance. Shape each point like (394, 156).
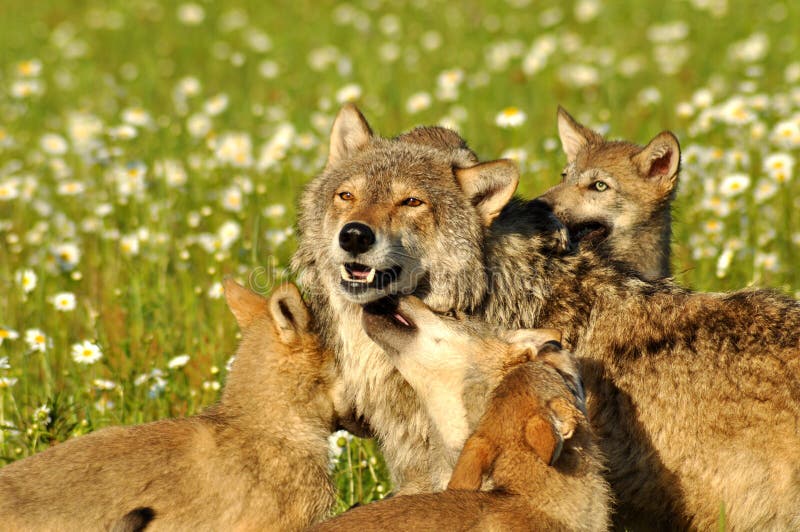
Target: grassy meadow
(149, 148)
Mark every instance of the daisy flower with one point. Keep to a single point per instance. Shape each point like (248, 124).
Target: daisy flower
(7, 334)
(104, 385)
(86, 352)
(734, 184)
(216, 104)
(53, 144)
(30, 68)
(348, 93)
(216, 291)
(178, 361)
(510, 117)
(9, 189)
(64, 301)
(7, 382)
(37, 340)
(26, 279)
(418, 102)
(191, 14)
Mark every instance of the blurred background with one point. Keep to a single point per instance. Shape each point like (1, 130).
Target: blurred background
(149, 148)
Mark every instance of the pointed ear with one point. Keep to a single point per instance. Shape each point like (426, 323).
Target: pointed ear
(489, 186)
(542, 437)
(289, 311)
(350, 134)
(660, 160)
(574, 136)
(566, 417)
(533, 339)
(245, 304)
(476, 459)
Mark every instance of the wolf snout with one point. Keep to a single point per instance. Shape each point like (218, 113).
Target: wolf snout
(356, 237)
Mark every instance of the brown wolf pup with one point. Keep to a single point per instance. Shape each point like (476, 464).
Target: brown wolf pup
(533, 440)
(258, 460)
(453, 364)
(695, 397)
(372, 225)
(618, 194)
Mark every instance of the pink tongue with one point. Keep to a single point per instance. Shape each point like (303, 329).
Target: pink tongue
(401, 319)
(360, 274)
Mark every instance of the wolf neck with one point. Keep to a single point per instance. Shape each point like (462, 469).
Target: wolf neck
(375, 390)
(531, 286)
(243, 407)
(645, 246)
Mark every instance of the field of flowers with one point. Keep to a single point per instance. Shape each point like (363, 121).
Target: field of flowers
(149, 148)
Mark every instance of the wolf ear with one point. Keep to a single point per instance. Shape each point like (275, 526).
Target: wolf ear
(574, 136)
(289, 312)
(489, 186)
(350, 134)
(526, 343)
(660, 159)
(544, 439)
(476, 459)
(245, 304)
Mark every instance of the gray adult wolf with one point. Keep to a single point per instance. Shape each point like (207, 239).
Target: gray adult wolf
(695, 397)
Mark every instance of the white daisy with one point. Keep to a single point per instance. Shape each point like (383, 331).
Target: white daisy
(510, 117)
(7, 334)
(178, 361)
(86, 352)
(734, 184)
(348, 93)
(53, 144)
(64, 301)
(37, 340)
(26, 279)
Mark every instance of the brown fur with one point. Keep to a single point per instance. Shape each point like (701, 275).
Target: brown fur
(255, 461)
(453, 365)
(631, 215)
(459, 198)
(530, 416)
(696, 397)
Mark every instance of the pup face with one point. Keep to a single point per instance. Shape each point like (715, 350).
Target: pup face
(425, 345)
(611, 186)
(280, 355)
(400, 216)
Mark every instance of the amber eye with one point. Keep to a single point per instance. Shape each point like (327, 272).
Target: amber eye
(346, 196)
(412, 202)
(599, 186)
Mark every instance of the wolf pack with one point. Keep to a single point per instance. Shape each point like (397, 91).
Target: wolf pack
(523, 364)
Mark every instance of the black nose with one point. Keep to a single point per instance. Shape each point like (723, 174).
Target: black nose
(356, 238)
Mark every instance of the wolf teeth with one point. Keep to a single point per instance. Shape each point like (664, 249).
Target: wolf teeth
(347, 276)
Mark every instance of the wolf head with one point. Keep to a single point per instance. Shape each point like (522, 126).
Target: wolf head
(615, 189)
(280, 357)
(401, 215)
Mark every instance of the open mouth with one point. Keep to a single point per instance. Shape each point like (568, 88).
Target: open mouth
(588, 232)
(386, 311)
(358, 277)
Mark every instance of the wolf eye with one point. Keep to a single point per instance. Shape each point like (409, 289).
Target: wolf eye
(346, 196)
(452, 313)
(599, 186)
(412, 202)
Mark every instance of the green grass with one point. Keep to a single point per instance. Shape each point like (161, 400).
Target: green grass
(100, 58)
